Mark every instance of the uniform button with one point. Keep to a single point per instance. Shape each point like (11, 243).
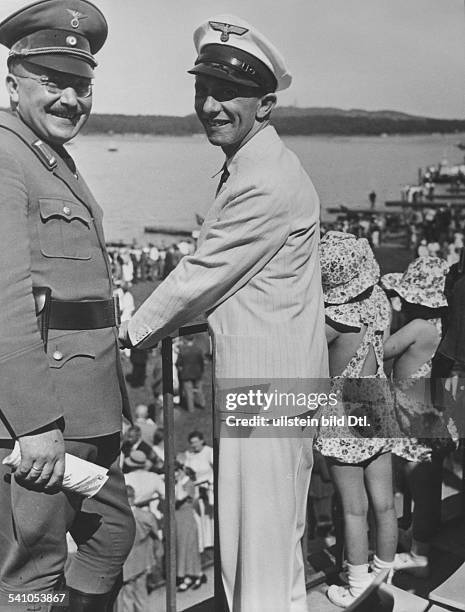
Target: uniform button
(67, 210)
(57, 355)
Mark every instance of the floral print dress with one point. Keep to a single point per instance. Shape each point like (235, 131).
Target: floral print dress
(411, 415)
(368, 395)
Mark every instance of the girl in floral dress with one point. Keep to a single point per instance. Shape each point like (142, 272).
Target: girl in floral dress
(357, 319)
(421, 289)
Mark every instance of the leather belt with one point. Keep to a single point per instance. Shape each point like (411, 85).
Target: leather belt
(85, 314)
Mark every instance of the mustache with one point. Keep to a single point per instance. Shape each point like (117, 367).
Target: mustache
(65, 113)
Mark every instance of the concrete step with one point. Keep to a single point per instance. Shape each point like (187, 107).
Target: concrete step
(405, 601)
(451, 592)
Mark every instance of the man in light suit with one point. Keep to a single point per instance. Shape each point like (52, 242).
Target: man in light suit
(256, 274)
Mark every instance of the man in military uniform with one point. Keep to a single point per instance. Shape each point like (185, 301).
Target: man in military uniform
(256, 274)
(71, 395)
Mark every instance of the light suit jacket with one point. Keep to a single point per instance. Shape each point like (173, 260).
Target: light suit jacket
(51, 235)
(255, 272)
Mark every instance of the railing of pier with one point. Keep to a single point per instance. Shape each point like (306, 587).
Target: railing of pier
(170, 459)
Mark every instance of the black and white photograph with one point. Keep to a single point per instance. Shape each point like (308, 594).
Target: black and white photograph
(232, 306)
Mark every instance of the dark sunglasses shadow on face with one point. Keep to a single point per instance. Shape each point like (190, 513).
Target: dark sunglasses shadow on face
(223, 91)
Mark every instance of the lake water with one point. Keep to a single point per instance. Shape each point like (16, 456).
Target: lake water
(166, 180)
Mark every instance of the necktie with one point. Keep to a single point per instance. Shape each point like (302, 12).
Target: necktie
(223, 179)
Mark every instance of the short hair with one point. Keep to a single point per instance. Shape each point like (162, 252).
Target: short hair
(196, 434)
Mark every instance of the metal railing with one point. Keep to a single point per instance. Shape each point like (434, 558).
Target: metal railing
(170, 459)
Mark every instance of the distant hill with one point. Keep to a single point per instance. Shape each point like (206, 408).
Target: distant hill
(288, 120)
(308, 121)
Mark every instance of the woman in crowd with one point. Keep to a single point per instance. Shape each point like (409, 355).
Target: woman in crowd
(199, 458)
(421, 289)
(189, 570)
(357, 319)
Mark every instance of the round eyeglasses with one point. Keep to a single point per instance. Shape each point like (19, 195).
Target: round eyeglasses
(57, 85)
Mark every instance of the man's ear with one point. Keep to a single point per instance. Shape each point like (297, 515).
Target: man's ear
(266, 105)
(12, 88)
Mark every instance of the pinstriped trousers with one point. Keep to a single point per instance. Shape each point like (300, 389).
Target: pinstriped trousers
(262, 489)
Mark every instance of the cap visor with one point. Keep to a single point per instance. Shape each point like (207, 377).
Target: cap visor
(224, 75)
(62, 63)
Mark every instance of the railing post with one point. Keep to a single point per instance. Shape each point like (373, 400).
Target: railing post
(168, 424)
(218, 595)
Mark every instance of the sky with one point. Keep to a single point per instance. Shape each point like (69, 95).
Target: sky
(403, 55)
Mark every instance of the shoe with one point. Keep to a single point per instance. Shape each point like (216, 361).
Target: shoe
(185, 584)
(199, 581)
(416, 565)
(340, 596)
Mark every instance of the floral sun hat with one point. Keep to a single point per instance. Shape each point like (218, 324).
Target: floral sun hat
(421, 283)
(375, 311)
(348, 267)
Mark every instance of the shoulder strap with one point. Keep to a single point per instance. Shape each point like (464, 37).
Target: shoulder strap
(42, 151)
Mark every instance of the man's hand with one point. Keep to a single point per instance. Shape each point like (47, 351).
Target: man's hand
(124, 339)
(42, 459)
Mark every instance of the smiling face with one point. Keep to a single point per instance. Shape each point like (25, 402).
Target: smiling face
(230, 113)
(56, 118)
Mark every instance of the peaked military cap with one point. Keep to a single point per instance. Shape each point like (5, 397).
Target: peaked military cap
(61, 35)
(231, 49)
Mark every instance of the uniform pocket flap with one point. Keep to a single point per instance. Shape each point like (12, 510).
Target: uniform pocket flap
(70, 346)
(64, 209)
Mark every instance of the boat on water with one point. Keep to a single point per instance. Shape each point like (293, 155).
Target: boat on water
(444, 173)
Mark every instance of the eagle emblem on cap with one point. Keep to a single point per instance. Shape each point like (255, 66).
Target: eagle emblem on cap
(76, 16)
(226, 29)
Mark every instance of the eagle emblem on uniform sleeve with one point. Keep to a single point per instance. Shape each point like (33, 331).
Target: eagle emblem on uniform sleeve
(76, 17)
(226, 29)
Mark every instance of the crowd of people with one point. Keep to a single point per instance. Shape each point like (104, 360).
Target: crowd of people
(135, 263)
(142, 463)
(437, 231)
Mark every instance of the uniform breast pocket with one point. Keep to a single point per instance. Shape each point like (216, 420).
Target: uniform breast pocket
(64, 229)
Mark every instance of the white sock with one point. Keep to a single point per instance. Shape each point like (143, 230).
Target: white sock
(379, 565)
(359, 578)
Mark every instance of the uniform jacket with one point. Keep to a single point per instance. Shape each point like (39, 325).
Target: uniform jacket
(255, 272)
(51, 235)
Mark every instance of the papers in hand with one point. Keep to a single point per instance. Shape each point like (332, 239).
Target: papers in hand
(81, 476)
